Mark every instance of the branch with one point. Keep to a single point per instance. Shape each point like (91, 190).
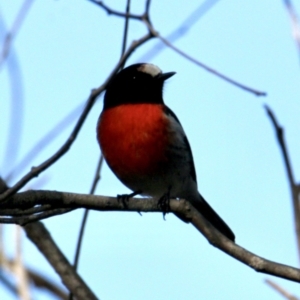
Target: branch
(295, 22)
(183, 208)
(14, 30)
(47, 138)
(294, 188)
(280, 290)
(40, 236)
(200, 64)
(111, 11)
(181, 30)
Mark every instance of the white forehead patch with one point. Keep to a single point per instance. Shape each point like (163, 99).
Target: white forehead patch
(150, 69)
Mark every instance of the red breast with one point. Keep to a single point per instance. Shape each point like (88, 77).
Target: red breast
(134, 139)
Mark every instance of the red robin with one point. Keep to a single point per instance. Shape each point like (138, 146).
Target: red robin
(144, 143)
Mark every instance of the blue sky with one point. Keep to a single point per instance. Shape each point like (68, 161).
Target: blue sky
(66, 48)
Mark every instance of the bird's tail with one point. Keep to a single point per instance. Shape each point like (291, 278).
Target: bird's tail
(210, 215)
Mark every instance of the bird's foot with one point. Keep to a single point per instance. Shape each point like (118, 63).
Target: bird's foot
(124, 198)
(164, 203)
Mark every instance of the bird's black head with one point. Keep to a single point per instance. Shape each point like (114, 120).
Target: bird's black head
(139, 83)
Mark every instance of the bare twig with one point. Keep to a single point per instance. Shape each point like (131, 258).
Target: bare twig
(182, 207)
(294, 188)
(19, 269)
(14, 30)
(147, 7)
(115, 12)
(14, 72)
(40, 236)
(200, 64)
(35, 171)
(37, 279)
(179, 31)
(44, 283)
(85, 215)
(295, 22)
(125, 34)
(280, 290)
(46, 140)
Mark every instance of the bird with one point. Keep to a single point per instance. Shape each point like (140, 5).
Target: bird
(144, 144)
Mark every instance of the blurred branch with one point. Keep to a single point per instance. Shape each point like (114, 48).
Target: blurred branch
(18, 268)
(35, 171)
(43, 283)
(40, 236)
(29, 199)
(295, 22)
(280, 290)
(16, 90)
(294, 188)
(9, 264)
(14, 30)
(45, 141)
(37, 279)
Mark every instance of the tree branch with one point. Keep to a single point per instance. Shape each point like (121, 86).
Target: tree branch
(60, 200)
(281, 290)
(111, 11)
(294, 188)
(202, 65)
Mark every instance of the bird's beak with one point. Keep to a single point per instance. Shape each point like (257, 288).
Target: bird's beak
(165, 76)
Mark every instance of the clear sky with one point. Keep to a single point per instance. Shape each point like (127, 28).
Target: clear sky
(66, 48)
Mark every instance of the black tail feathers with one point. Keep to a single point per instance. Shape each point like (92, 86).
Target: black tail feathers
(210, 215)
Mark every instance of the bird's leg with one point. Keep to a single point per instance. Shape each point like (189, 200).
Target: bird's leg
(164, 203)
(125, 197)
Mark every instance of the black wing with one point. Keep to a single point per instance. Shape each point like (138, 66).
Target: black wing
(169, 112)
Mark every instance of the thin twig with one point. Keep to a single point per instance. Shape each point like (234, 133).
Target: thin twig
(117, 13)
(19, 270)
(35, 171)
(14, 30)
(147, 7)
(26, 219)
(288, 166)
(16, 88)
(295, 22)
(85, 216)
(46, 140)
(25, 212)
(200, 64)
(281, 290)
(179, 31)
(125, 34)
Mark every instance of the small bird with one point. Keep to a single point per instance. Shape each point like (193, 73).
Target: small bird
(144, 143)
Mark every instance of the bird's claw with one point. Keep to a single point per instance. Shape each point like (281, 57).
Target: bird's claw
(124, 198)
(164, 204)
